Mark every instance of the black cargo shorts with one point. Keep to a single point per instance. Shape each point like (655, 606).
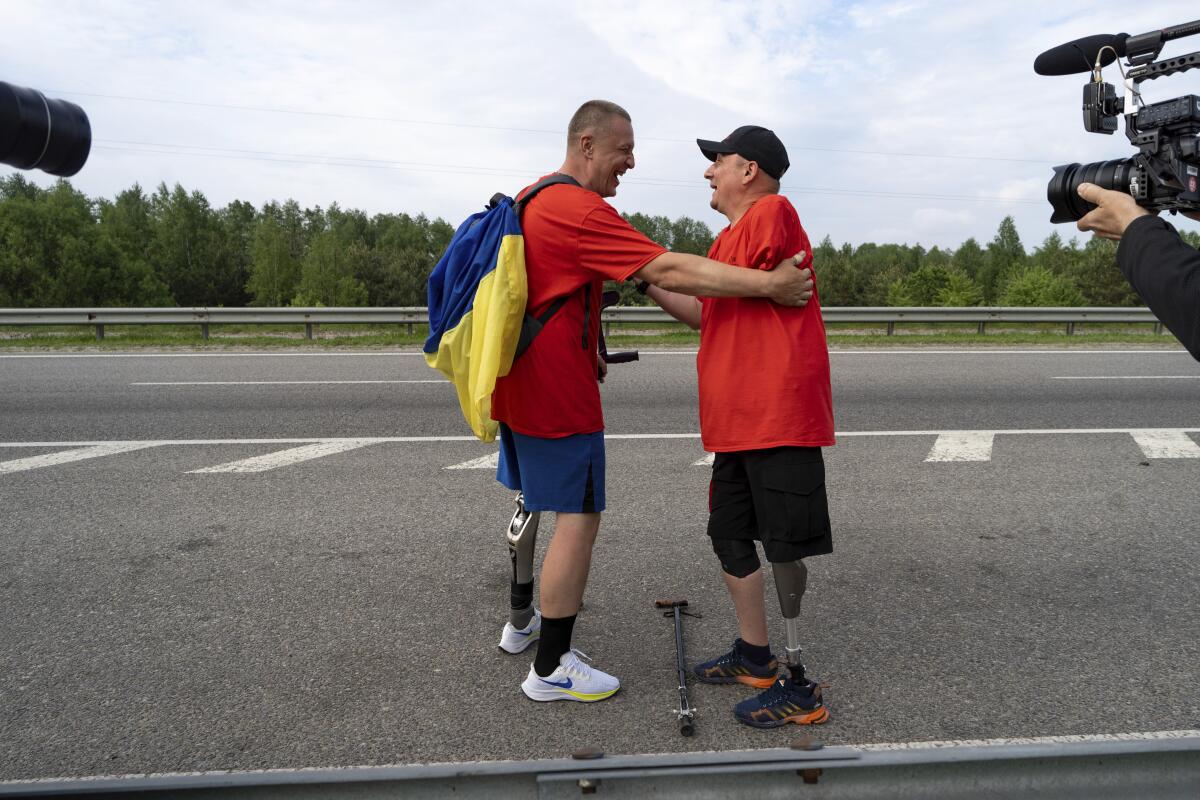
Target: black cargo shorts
(776, 496)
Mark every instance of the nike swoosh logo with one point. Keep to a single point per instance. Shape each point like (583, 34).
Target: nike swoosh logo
(567, 684)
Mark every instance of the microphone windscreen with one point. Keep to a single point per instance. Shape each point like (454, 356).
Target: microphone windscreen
(1080, 55)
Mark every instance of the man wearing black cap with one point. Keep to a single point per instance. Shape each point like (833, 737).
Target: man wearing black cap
(765, 412)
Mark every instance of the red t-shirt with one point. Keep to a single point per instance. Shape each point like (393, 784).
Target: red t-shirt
(763, 368)
(572, 239)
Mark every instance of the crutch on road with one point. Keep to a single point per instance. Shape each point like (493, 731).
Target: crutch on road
(687, 714)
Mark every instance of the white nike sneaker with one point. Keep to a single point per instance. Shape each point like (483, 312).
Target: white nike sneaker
(518, 641)
(574, 679)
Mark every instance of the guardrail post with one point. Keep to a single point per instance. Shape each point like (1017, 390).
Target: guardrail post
(204, 331)
(1070, 329)
(308, 330)
(981, 324)
(1158, 328)
(99, 331)
(891, 328)
(410, 329)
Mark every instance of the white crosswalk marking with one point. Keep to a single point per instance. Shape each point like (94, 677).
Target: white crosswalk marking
(962, 446)
(284, 458)
(67, 456)
(483, 462)
(1166, 444)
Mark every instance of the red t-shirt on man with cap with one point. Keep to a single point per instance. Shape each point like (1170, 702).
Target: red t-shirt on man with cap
(763, 368)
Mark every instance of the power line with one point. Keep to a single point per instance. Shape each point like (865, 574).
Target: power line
(409, 121)
(152, 148)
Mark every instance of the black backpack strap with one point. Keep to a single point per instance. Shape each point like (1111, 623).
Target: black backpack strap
(531, 326)
(549, 180)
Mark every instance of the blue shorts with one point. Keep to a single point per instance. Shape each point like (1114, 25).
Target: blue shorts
(564, 474)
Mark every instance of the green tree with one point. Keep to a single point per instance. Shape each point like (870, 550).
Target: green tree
(1005, 256)
(1038, 286)
(274, 271)
(126, 229)
(959, 291)
(921, 288)
(834, 276)
(327, 275)
(1096, 275)
(189, 252)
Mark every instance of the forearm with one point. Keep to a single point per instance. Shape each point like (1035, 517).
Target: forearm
(682, 307)
(1165, 272)
(687, 274)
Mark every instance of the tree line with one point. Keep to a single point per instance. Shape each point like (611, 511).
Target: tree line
(60, 248)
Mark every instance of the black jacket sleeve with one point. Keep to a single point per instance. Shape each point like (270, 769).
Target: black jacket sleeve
(1165, 272)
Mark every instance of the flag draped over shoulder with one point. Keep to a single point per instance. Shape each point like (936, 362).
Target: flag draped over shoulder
(476, 295)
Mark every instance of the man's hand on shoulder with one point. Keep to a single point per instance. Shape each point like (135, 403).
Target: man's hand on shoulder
(792, 286)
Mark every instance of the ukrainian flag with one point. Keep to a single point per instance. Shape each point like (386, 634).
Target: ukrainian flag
(477, 294)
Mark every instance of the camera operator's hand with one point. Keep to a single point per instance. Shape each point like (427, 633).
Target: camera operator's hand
(1113, 213)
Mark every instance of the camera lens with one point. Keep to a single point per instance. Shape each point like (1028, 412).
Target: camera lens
(39, 133)
(1063, 189)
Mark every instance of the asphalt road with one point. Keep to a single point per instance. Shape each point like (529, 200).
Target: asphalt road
(344, 609)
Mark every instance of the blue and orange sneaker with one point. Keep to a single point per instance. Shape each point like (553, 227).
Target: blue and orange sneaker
(733, 667)
(784, 702)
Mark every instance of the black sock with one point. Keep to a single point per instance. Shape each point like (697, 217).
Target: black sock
(555, 640)
(759, 655)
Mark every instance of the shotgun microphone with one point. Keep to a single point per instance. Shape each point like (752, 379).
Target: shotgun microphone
(1080, 55)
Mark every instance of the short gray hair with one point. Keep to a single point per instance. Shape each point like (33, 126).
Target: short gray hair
(593, 115)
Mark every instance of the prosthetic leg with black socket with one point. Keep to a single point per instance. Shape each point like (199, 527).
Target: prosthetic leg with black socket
(524, 624)
(796, 698)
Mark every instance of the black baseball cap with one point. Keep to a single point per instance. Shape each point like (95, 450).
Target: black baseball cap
(753, 143)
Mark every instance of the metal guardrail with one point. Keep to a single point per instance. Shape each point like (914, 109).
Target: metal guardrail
(979, 316)
(1160, 768)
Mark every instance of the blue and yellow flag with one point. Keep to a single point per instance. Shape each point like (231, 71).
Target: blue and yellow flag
(477, 294)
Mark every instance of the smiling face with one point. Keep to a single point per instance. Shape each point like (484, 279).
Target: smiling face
(727, 177)
(609, 154)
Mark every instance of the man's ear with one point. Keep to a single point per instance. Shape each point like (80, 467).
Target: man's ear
(750, 173)
(587, 144)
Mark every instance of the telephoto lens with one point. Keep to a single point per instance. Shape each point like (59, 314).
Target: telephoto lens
(39, 133)
(1063, 190)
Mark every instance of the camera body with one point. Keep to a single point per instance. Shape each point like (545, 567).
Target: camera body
(1165, 173)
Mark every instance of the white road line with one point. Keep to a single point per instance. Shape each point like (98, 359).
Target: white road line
(1126, 378)
(963, 446)
(610, 436)
(284, 458)
(67, 456)
(1166, 444)
(490, 461)
(1082, 738)
(269, 383)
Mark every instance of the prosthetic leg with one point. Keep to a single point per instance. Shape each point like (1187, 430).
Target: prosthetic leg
(791, 578)
(522, 537)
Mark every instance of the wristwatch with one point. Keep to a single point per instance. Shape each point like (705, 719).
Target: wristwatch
(642, 286)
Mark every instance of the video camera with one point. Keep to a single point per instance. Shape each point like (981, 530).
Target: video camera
(39, 133)
(1164, 175)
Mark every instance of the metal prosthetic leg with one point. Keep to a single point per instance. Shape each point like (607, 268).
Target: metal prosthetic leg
(791, 578)
(522, 537)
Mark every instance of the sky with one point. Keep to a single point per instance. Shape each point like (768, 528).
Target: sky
(906, 121)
